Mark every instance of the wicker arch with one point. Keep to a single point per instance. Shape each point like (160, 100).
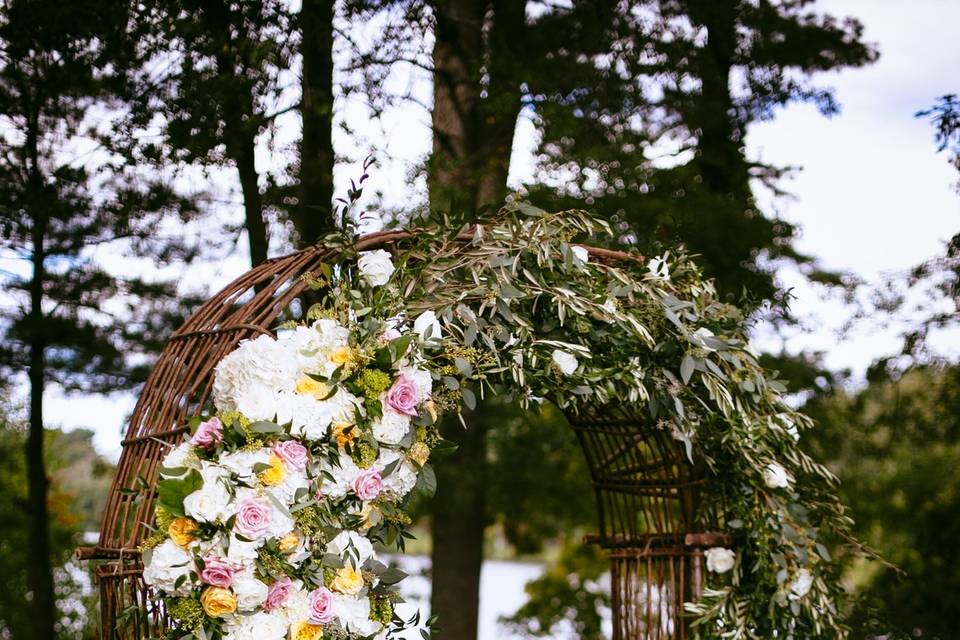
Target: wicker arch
(651, 519)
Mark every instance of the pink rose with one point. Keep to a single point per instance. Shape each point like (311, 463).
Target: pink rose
(253, 517)
(209, 434)
(277, 594)
(217, 572)
(402, 396)
(321, 606)
(292, 452)
(367, 485)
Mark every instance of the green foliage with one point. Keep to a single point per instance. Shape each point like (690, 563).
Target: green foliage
(653, 338)
(896, 447)
(65, 524)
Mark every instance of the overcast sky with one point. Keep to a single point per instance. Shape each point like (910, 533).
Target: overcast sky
(873, 196)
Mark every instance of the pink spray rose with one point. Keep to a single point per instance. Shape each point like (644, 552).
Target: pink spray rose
(292, 452)
(402, 396)
(367, 485)
(209, 434)
(217, 572)
(278, 593)
(321, 606)
(253, 517)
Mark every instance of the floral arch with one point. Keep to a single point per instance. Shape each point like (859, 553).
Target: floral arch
(716, 524)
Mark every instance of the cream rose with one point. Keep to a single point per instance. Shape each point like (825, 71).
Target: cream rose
(376, 267)
(720, 560)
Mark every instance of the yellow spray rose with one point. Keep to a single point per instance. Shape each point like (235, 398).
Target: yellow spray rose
(218, 602)
(348, 580)
(342, 355)
(307, 386)
(344, 434)
(304, 630)
(181, 531)
(275, 474)
(289, 542)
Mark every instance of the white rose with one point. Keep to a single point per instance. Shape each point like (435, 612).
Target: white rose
(566, 362)
(211, 502)
(427, 326)
(259, 626)
(658, 268)
(800, 585)
(392, 427)
(360, 549)
(581, 254)
(168, 563)
(376, 267)
(354, 614)
(720, 560)
(250, 592)
(776, 476)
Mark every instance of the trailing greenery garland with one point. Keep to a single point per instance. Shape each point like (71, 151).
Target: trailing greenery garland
(528, 310)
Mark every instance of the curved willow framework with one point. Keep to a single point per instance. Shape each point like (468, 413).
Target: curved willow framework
(647, 490)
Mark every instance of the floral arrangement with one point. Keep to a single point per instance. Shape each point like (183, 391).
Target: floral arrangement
(268, 515)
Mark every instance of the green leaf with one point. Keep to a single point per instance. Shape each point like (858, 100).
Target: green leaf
(443, 448)
(392, 576)
(265, 426)
(172, 491)
(687, 367)
(469, 398)
(427, 481)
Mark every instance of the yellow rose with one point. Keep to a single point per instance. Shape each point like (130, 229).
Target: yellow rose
(218, 602)
(181, 531)
(307, 386)
(419, 453)
(345, 432)
(304, 630)
(348, 581)
(343, 355)
(289, 542)
(275, 474)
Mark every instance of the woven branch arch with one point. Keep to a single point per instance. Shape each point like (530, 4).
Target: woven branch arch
(652, 517)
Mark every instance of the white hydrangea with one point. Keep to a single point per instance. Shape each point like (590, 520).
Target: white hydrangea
(259, 626)
(248, 379)
(403, 478)
(343, 477)
(297, 605)
(242, 552)
(242, 462)
(392, 427)
(361, 550)
(286, 490)
(354, 614)
(250, 592)
(168, 562)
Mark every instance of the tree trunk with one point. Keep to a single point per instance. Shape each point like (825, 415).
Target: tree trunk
(473, 120)
(241, 127)
(313, 215)
(39, 571)
(720, 138)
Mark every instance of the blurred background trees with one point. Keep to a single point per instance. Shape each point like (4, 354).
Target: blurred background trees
(120, 124)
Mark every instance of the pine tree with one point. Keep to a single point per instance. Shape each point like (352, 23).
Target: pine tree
(70, 320)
